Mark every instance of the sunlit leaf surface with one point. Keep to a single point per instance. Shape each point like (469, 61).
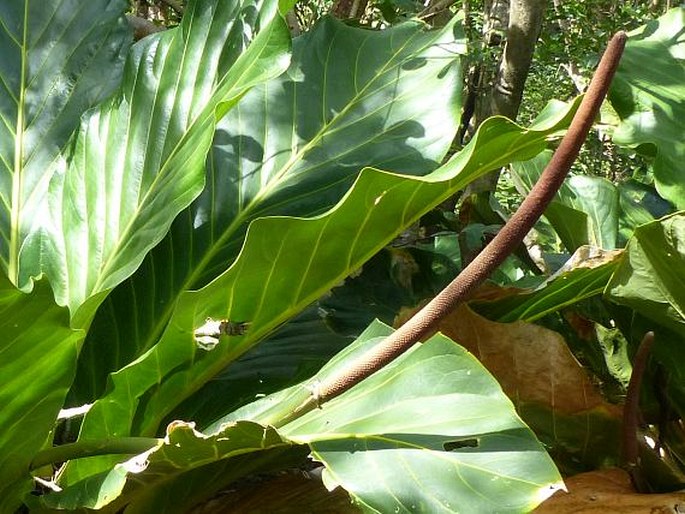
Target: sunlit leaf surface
(139, 158)
(648, 92)
(430, 432)
(56, 63)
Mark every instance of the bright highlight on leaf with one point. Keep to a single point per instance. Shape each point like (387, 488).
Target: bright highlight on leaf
(138, 159)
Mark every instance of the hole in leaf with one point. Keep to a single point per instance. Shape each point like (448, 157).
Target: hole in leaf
(450, 446)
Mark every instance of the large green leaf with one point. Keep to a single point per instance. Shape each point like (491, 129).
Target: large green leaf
(58, 59)
(651, 277)
(285, 264)
(433, 428)
(139, 158)
(38, 354)
(647, 93)
(143, 482)
(430, 432)
(293, 146)
(585, 210)
(585, 275)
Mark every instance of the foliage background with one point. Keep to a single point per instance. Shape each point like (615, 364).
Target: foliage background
(573, 299)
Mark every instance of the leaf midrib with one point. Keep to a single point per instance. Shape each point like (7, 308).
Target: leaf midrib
(17, 175)
(203, 116)
(263, 193)
(193, 278)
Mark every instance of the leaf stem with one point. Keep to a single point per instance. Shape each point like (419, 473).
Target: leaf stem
(81, 449)
(502, 245)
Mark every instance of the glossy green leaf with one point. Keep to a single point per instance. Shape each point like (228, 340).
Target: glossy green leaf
(647, 93)
(586, 274)
(430, 432)
(142, 482)
(640, 204)
(294, 146)
(57, 61)
(139, 158)
(285, 264)
(585, 210)
(38, 354)
(293, 353)
(651, 277)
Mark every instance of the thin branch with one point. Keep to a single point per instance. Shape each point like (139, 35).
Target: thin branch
(508, 238)
(436, 7)
(293, 23)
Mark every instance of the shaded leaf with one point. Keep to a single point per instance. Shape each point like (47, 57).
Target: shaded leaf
(651, 276)
(649, 99)
(292, 493)
(38, 354)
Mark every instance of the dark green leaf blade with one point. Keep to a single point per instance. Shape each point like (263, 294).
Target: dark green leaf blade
(38, 354)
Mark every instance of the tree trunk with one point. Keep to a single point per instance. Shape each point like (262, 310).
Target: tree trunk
(348, 9)
(525, 22)
(504, 96)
